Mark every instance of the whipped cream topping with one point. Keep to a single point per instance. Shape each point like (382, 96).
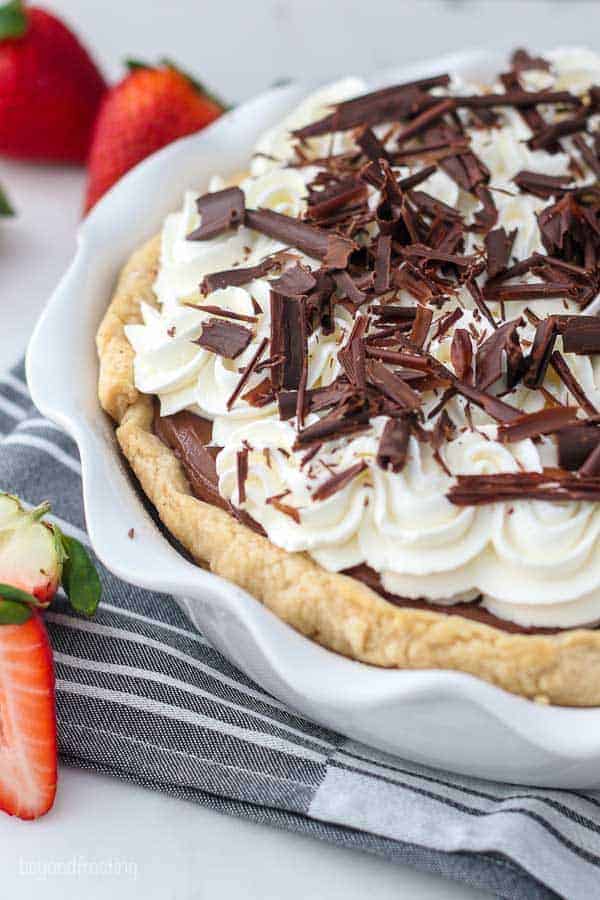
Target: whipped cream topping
(535, 563)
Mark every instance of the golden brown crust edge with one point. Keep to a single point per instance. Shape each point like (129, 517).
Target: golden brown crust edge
(339, 612)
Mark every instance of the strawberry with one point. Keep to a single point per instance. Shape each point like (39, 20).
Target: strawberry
(148, 109)
(35, 557)
(50, 88)
(31, 551)
(28, 755)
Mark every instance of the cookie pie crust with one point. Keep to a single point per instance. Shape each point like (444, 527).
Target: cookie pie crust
(335, 610)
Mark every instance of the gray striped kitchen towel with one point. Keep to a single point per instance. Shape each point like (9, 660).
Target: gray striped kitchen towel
(143, 696)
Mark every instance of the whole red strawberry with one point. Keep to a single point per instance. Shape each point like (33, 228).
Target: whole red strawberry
(148, 109)
(50, 88)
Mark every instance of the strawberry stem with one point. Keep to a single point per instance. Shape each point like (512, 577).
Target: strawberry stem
(13, 20)
(39, 511)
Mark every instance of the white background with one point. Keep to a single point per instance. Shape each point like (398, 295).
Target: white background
(175, 850)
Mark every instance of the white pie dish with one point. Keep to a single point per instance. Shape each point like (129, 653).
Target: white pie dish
(440, 718)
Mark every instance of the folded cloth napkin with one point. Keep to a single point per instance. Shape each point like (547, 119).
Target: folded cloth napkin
(143, 696)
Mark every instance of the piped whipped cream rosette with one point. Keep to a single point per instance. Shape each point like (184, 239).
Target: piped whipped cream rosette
(389, 323)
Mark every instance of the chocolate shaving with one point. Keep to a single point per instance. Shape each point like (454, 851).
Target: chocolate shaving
(219, 211)
(313, 241)
(522, 61)
(348, 287)
(501, 348)
(260, 395)
(284, 508)
(532, 425)
(445, 323)
(371, 146)
(295, 282)
(420, 251)
(542, 185)
(582, 336)
(551, 133)
(434, 207)
(342, 421)
(288, 340)
(220, 311)
(237, 277)
(541, 351)
(518, 98)
(392, 386)
(534, 291)
(561, 367)
(338, 482)
(249, 369)
(497, 409)
(486, 217)
(575, 443)
(477, 295)
(588, 154)
(474, 490)
(343, 193)
(391, 313)
(352, 355)
(421, 325)
(498, 245)
(411, 181)
(591, 467)
(242, 474)
(224, 338)
(421, 122)
(393, 445)
(383, 105)
(461, 355)
(382, 264)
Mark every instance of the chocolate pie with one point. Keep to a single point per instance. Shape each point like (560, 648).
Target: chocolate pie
(363, 381)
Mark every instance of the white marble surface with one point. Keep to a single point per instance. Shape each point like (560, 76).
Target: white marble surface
(165, 848)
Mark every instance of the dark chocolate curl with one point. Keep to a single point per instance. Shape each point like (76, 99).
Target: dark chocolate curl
(313, 241)
(393, 445)
(218, 211)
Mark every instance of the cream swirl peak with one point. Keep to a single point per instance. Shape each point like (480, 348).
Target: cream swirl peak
(396, 347)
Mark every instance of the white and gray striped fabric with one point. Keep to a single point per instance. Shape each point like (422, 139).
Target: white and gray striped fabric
(144, 697)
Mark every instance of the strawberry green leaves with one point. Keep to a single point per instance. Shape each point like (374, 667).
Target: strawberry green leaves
(13, 20)
(9, 592)
(14, 613)
(5, 207)
(198, 85)
(79, 578)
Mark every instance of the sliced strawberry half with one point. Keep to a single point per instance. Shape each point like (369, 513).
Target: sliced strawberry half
(35, 557)
(31, 550)
(28, 755)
